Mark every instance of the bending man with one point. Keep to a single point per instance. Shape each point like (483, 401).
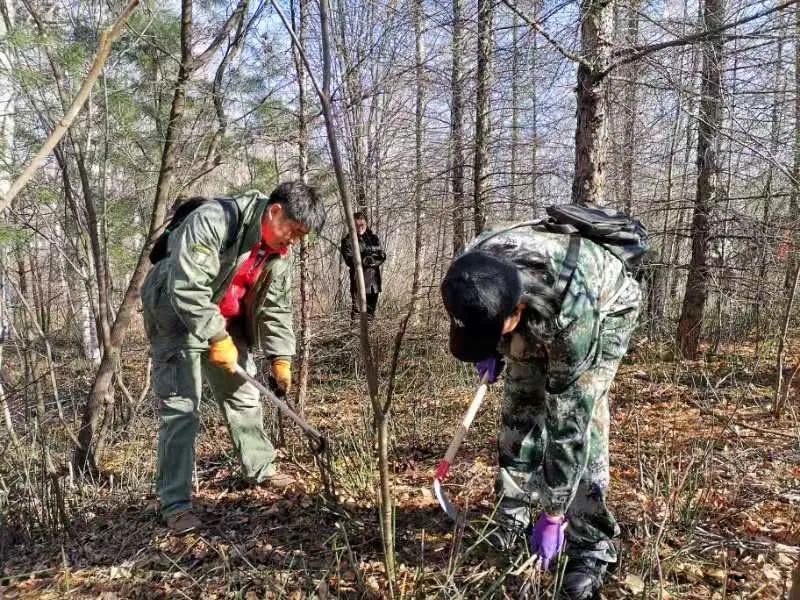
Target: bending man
(223, 288)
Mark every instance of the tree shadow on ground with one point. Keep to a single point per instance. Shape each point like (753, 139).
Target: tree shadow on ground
(252, 539)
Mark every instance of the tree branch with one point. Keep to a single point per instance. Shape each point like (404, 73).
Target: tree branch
(233, 21)
(630, 55)
(107, 37)
(297, 45)
(534, 24)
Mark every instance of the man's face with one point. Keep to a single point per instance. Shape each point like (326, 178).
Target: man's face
(279, 231)
(361, 226)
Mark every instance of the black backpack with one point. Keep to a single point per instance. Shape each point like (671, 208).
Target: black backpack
(620, 234)
(159, 250)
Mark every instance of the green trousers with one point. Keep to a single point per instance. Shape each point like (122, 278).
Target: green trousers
(177, 381)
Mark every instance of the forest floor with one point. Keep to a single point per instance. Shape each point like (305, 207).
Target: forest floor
(705, 485)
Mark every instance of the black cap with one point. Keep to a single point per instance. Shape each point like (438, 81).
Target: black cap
(480, 291)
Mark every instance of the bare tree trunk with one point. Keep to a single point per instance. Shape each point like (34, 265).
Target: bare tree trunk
(380, 415)
(677, 239)
(302, 159)
(720, 280)
(34, 329)
(419, 195)
(588, 184)
(7, 99)
(515, 73)
(457, 128)
(7, 125)
(694, 300)
(794, 198)
(780, 394)
(534, 121)
(631, 108)
(657, 291)
(101, 395)
(98, 253)
(354, 115)
(483, 94)
(768, 239)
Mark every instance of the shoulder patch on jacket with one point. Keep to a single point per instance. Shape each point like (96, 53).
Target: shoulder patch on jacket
(201, 253)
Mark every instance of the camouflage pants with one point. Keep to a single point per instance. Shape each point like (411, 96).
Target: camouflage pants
(522, 441)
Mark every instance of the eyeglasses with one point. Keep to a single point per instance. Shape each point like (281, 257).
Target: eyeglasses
(299, 231)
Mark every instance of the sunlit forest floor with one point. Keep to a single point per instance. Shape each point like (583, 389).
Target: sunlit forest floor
(705, 485)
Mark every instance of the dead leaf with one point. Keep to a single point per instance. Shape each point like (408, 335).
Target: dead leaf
(120, 573)
(718, 575)
(634, 584)
(772, 573)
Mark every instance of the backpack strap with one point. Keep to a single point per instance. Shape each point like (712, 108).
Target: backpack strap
(568, 267)
(232, 211)
(509, 228)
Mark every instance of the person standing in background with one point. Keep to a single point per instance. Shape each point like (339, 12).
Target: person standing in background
(372, 257)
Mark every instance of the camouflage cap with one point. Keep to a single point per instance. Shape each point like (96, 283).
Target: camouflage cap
(479, 291)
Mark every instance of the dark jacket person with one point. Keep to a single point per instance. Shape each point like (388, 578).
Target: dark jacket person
(372, 257)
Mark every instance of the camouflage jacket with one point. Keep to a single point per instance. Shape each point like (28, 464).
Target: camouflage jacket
(181, 293)
(569, 345)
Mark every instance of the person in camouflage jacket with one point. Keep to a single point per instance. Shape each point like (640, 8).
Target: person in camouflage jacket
(563, 330)
(223, 288)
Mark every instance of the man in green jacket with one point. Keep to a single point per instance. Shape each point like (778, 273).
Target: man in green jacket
(560, 310)
(223, 288)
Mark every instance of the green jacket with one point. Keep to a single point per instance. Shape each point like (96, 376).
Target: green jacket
(181, 292)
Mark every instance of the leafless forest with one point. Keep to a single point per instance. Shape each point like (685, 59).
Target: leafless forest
(436, 119)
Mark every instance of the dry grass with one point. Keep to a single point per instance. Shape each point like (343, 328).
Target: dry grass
(705, 485)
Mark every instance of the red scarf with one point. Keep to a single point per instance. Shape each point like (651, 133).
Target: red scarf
(231, 304)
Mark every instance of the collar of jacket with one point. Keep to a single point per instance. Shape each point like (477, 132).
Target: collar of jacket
(252, 205)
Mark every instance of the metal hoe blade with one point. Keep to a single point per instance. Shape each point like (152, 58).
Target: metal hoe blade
(444, 465)
(447, 506)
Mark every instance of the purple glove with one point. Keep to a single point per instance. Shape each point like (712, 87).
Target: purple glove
(492, 365)
(547, 538)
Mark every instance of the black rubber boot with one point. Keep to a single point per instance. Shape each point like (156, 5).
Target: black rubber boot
(583, 579)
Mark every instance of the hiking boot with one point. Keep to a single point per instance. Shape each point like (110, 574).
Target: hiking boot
(583, 579)
(183, 522)
(506, 537)
(278, 481)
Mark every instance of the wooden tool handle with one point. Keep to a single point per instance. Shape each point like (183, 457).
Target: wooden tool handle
(466, 421)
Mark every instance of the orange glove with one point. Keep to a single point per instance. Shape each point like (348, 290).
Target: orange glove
(282, 373)
(223, 353)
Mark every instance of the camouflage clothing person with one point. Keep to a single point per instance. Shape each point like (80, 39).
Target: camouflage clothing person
(563, 331)
(223, 288)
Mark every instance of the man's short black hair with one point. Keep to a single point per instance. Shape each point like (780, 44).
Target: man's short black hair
(359, 215)
(301, 203)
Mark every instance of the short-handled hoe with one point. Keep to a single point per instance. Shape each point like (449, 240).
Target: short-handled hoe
(444, 465)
